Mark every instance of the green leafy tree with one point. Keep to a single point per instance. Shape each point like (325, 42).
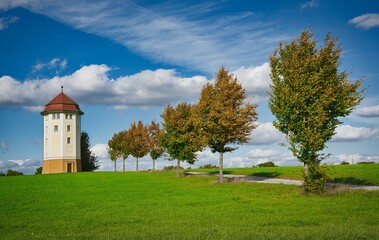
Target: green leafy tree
(139, 145)
(308, 97)
(224, 114)
(122, 145)
(88, 159)
(114, 149)
(155, 133)
(38, 170)
(11, 172)
(181, 138)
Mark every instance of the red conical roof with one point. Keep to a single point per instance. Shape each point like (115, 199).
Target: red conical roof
(62, 103)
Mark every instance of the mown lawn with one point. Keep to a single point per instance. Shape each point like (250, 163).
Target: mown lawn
(144, 205)
(362, 174)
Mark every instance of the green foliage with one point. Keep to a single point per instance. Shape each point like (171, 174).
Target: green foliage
(180, 138)
(38, 170)
(88, 159)
(345, 163)
(365, 162)
(208, 166)
(2, 174)
(11, 172)
(107, 205)
(267, 164)
(309, 94)
(316, 178)
(155, 133)
(171, 168)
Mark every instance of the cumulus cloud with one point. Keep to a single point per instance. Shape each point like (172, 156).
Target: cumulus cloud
(162, 30)
(347, 133)
(256, 80)
(366, 21)
(258, 156)
(309, 4)
(370, 111)
(92, 85)
(6, 21)
(266, 134)
(27, 166)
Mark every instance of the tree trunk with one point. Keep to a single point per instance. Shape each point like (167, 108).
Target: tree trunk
(221, 166)
(123, 164)
(137, 165)
(115, 165)
(178, 168)
(306, 169)
(153, 165)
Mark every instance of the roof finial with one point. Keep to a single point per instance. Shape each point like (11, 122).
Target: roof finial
(62, 89)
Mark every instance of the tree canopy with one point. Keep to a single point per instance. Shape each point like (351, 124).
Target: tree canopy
(181, 138)
(139, 141)
(88, 159)
(155, 133)
(309, 94)
(224, 114)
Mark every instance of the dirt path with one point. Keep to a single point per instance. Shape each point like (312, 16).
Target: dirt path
(282, 181)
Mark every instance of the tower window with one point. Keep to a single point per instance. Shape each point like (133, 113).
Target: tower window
(68, 128)
(68, 140)
(70, 116)
(53, 115)
(55, 128)
(58, 115)
(66, 116)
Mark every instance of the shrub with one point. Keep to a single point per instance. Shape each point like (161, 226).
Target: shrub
(345, 163)
(2, 174)
(208, 166)
(365, 162)
(11, 172)
(267, 164)
(316, 179)
(171, 168)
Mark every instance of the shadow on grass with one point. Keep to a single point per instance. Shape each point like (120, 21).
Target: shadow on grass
(352, 180)
(217, 172)
(266, 174)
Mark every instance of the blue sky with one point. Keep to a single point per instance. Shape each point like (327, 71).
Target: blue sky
(125, 60)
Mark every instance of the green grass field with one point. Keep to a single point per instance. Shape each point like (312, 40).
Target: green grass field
(362, 174)
(106, 205)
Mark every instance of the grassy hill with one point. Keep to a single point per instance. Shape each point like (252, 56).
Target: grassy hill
(144, 205)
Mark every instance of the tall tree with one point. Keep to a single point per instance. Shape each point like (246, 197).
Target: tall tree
(123, 146)
(225, 115)
(181, 138)
(139, 145)
(114, 149)
(88, 159)
(155, 133)
(308, 96)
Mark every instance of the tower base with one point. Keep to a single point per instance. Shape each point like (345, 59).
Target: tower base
(61, 166)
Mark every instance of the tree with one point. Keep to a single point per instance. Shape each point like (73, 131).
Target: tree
(11, 172)
(139, 144)
(156, 150)
(38, 170)
(308, 96)
(181, 138)
(114, 149)
(122, 141)
(224, 115)
(88, 159)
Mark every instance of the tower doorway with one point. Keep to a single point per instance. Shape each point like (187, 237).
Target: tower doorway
(69, 167)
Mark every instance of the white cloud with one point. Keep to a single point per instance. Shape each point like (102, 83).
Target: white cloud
(256, 80)
(91, 85)
(54, 64)
(366, 21)
(309, 4)
(5, 21)
(266, 133)
(347, 133)
(27, 166)
(162, 31)
(370, 111)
